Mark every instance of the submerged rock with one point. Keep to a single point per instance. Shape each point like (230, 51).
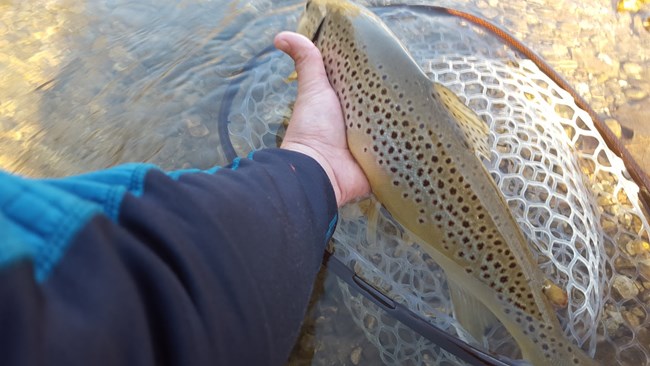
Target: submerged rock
(625, 287)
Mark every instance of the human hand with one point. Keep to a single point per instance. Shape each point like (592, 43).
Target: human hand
(317, 128)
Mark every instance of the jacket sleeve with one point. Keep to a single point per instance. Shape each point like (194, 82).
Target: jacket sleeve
(134, 266)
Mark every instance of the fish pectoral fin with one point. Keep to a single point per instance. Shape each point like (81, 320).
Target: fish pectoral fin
(475, 317)
(370, 208)
(476, 131)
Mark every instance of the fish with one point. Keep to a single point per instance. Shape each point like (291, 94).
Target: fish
(420, 148)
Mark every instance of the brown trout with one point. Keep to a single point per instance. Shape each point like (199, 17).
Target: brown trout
(418, 143)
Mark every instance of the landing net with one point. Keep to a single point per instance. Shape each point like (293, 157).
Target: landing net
(570, 194)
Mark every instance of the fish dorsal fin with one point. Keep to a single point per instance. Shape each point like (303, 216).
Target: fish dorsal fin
(476, 131)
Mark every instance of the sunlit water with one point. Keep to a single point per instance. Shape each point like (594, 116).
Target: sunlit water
(87, 85)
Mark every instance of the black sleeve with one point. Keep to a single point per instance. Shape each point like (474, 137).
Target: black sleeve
(199, 269)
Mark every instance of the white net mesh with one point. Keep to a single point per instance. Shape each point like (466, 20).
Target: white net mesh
(570, 194)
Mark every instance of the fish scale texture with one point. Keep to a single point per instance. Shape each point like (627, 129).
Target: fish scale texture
(569, 193)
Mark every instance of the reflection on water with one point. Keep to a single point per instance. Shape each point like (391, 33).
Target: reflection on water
(86, 85)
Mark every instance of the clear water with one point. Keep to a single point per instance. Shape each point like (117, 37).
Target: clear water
(89, 84)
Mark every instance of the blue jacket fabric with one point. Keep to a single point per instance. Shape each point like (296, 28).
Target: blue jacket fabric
(135, 266)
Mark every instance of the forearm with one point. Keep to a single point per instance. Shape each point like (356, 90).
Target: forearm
(213, 268)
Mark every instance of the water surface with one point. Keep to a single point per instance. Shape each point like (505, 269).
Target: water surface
(86, 85)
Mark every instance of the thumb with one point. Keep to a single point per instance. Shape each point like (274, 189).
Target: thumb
(307, 58)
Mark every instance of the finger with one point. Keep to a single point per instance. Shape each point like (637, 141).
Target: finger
(307, 58)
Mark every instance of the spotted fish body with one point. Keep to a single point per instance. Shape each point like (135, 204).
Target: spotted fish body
(417, 144)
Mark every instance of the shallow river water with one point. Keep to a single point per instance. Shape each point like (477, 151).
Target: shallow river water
(89, 84)
(86, 85)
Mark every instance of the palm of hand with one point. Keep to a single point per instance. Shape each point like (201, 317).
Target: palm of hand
(317, 127)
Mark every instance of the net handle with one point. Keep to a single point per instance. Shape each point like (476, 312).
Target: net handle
(439, 337)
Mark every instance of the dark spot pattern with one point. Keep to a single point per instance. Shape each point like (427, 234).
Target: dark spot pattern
(405, 137)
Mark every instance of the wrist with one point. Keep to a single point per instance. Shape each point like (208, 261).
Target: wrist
(322, 161)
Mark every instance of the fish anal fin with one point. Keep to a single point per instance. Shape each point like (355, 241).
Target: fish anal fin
(475, 317)
(474, 129)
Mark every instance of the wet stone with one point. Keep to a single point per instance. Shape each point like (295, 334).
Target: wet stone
(614, 126)
(195, 127)
(637, 247)
(613, 320)
(636, 94)
(355, 355)
(632, 69)
(629, 5)
(645, 297)
(605, 58)
(632, 318)
(644, 268)
(370, 322)
(625, 287)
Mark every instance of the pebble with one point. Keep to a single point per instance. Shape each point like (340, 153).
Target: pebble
(605, 58)
(632, 69)
(370, 322)
(582, 88)
(644, 268)
(613, 320)
(637, 246)
(636, 94)
(639, 312)
(195, 127)
(629, 5)
(625, 287)
(632, 319)
(355, 355)
(645, 297)
(614, 126)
